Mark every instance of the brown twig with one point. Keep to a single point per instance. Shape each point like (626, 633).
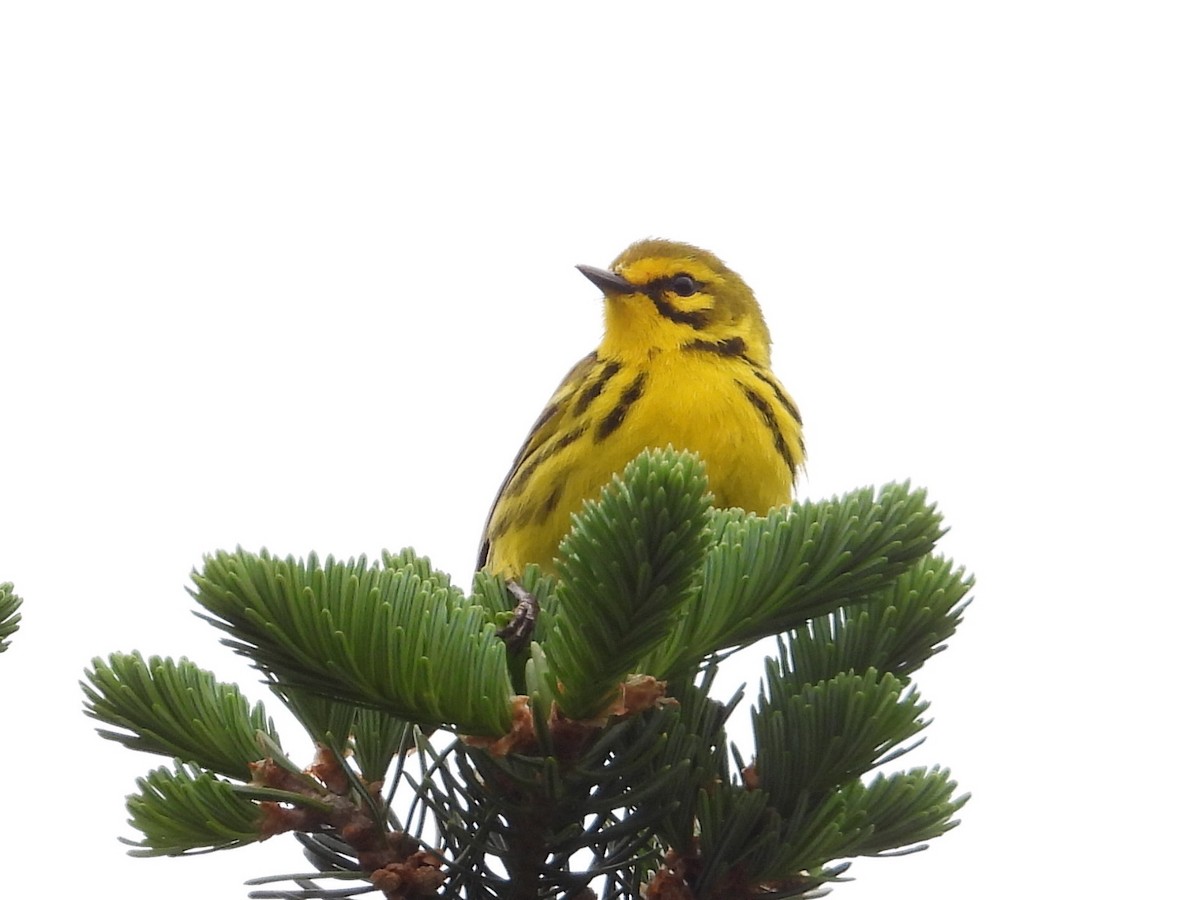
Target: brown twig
(392, 860)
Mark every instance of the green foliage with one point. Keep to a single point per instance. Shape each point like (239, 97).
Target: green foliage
(805, 805)
(9, 617)
(895, 629)
(768, 574)
(813, 737)
(186, 810)
(566, 772)
(904, 809)
(372, 737)
(606, 802)
(565, 806)
(631, 562)
(374, 635)
(378, 739)
(176, 709)
(700, 742)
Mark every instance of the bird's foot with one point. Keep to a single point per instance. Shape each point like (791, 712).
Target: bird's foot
(518, 632)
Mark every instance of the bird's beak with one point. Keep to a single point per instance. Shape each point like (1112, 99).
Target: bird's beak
(608, 282)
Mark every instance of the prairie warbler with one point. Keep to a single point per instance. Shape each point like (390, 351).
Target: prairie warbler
(685, 360)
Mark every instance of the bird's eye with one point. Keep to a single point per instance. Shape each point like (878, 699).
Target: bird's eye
(682, 285)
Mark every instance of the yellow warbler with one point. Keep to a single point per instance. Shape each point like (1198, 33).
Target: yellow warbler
(685, 360)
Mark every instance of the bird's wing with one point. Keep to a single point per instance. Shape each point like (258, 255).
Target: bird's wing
(547, 425)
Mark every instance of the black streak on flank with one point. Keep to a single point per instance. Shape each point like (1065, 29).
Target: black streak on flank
(613, 420)
(783, 398)
(495, 527)
(522, 478)
(733, 346)
(550, 504)
(548, 413)
(768, 417)
(593, 390)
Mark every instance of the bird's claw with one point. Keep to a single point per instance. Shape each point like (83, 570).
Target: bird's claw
(518, 632)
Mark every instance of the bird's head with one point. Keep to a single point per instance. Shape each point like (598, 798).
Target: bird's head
(661, 295)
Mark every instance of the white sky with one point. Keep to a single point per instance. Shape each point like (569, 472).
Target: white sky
(300, 276)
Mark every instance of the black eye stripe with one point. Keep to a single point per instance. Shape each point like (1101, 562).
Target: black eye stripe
(697, 318)
(656, 289)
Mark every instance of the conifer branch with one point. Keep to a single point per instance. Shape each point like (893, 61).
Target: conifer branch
(378, 739)
(330, 723)
(189, 810)
(894, 630)
(573, 770)
(769, 574)
(813, 737)
(176, 709)
(9, 617)
(627, 567)
(395, 638)
(904, 810)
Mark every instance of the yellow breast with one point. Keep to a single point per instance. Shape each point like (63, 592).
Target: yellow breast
(732, 413)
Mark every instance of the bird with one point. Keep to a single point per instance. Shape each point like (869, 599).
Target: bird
(685, 361)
